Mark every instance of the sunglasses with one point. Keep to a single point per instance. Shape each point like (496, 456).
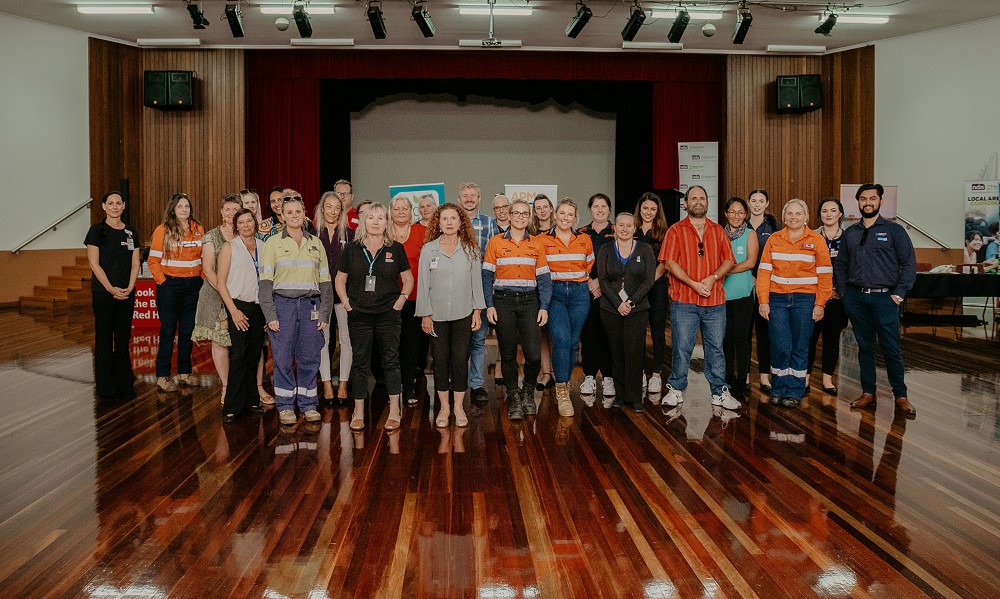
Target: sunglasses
(701, 248)
(291, 199)
(244, 192)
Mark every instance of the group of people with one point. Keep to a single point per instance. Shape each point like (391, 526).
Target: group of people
(401, 287)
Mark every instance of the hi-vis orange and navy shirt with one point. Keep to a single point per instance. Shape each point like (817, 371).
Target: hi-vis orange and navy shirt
(568, 263)
(800, 266)
(516, 266)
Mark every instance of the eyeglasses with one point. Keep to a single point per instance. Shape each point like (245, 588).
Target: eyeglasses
(495, 208)
(736, 213)
(520, 213)
(287, 199)
(701, 248)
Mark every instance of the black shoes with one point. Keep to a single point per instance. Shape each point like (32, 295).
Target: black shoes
(514, 410)
(528, 401)
(229, 418)
(480, 397)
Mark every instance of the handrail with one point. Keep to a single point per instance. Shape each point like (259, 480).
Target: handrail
(53, 226)
(922, 232)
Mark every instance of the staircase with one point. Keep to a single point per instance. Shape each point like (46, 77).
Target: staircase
(69, 290)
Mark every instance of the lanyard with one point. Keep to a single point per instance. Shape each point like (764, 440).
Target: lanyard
(371, 261)
(624, 259)
(253, 257)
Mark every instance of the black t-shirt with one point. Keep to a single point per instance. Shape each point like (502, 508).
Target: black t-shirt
(115, 247)
(389, 262)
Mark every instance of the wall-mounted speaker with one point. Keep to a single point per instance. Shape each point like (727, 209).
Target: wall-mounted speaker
(810, 92)
(799, 93)
(788, 94)
(168, 89)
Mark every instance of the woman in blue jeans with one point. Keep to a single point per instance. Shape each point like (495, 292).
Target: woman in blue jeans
(570, 255)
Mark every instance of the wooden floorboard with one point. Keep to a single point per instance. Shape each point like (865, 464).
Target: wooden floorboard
(156, 498)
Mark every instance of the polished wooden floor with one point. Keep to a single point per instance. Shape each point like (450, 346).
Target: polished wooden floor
(155, 498)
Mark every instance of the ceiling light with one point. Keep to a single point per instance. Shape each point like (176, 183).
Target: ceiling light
(90, 9)
(787, 49)
(376, 19)
(315, 41)
(651, 46)
(184, 41)
(698, 16)
(635, 20)
(743, 21)
(827, 25)
(508, 12)
(302, 20)
(423, 19)
(235, 18)
(287, 10)
(680, 24)
(489, 43)
(579, 21)
(197, 15)
(861, 19)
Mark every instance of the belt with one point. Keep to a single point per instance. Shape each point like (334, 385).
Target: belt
(874, 289)
(514, 293)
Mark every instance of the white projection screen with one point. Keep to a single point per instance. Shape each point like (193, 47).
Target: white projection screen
(410, 139)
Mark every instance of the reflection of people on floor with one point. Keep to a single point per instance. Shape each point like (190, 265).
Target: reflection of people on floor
(447, 561)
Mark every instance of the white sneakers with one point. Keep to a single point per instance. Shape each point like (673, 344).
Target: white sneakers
(608, 386)
(655, 384)
(726, 400)
(588, 386)
(673, 397)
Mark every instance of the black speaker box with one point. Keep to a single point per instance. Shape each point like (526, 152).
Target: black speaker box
(168, 89)
(788, 94)
(810, 92)
(799, 93)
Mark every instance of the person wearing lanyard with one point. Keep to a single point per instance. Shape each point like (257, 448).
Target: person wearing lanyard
(484, 227)
(239, 263)
(335, 235)
(831, 213)
(875, 269)
(651, 226)
(296, 295)
(411, 236)
(593, 340)
(626, 270)
(764, 225)
(570, 256)
(517, 290)
(373, 282)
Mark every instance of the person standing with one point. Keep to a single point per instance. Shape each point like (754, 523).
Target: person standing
(345, 189)
(411, 236)
(175, 263)
(596, 353)
(740, 296)
(764, 225)
(831, 214)
(501, 211)
(517, 290)
(793, 284)
(296, 296)
(426, 207)
(114, 258)
(875, 270)
(626, 270)
(542, 222)
(651, 227)
(368, 283)
(698, 256)
(485, 227)
(450, 303)
(273, 224)
(251, 201)
(335, 235)
(570, 256)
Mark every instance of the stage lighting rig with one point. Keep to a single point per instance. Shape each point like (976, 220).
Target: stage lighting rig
(743, 21)
(423, 18)
(197, 15)
(235, 18)
(635, 20)
(828, 24)
(376, 19)
(302, 20)
(680, 24)
(579, 21)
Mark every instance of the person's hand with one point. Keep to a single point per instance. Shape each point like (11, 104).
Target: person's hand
(834, 294)
(240, 320)
(595, 287)
(477, 320)
(274, 326)
(399, 303)
(709, 281)
(427, 325)
(543, 317)
(347, 306)
(624, 309)
(701, 289)
(765, 311)
(491, 315)
(818, 312)
(321, 325)
(896, 299)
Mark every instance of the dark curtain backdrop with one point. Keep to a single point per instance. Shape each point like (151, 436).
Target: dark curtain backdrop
(686, 102)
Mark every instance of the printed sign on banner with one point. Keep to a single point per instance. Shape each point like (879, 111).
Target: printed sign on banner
(415, 193)
(528, 193)
(982, 211)
(698, 164)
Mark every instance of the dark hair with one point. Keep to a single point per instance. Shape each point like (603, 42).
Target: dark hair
(598, 196)
(868, 187)
(824, 201)
(729, 203)
(995, 227)
(104, 198)
(276, 188)
(762, 192)
(243, 211)
(970, 235)
(659, 228)
(687, 194)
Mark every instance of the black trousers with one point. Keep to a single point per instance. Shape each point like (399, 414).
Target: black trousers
(833, 324)
(659, 300)
(409, 346)
(763, 340)
(244, 355)
(113, 376)
(365, 330)
(627, 340)
(450, 347)
(517, 324)
(594, 344)
(736, 346)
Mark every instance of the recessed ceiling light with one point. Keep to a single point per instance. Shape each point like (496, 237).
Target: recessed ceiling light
(182, 41)
(861, 19)
(287, 10)
(672, 14)
(510, 12)
(121, 9)
(315, 41)
(787, 49)
(652, 46)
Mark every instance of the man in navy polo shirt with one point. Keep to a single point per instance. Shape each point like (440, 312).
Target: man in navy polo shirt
(874, 271)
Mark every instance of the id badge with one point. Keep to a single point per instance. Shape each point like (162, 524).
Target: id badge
(622, 294)
(314, 314)
(370, 283)
(434, 263)
(131, 244)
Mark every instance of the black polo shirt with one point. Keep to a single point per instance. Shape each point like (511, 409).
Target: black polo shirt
(389, 262)
(115, 248)
(880, 256)
(598, 239)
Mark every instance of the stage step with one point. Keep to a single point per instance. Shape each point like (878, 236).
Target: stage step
(66, 292)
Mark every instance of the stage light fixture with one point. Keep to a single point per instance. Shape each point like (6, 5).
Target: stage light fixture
(423, 19)
(302, 21)
(743, 21)
(680, 24)
(235, 18)
(197, 15)
(376, 19)
(635, 20)
(579, 21)
(827, 25)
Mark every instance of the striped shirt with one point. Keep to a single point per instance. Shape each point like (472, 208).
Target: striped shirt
(514, 266)
(698, 256)
(570, 262)
(800, 266)
(180, 262)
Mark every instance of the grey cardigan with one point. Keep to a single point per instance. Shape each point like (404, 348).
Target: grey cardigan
(448, 287)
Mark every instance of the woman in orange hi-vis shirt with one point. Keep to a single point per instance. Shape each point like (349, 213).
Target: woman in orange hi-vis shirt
(793, 284)
(175, 262)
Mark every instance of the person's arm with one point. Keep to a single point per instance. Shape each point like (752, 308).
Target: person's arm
(407, 279)
(240, 320)
(907, 259)
(208, 264)
(325, 290)
(763, 283)
(608, 291)
(842, 263)
(544, 281)
(423, 305)
(824, 273)
(265, 284)
(94, 258)
(340, 283)
(478, 299)
(134, 274)
(678, 273)
(753, 247)
(156, 256)
(649, 275)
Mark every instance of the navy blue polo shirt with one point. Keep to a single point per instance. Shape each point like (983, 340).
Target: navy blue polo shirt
(597, 239)
(880, 256)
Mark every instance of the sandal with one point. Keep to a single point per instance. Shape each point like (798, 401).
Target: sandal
(265, 398)
(461, 421)
(442, 420)
(357, 424)
(391, 424)
(222, 401)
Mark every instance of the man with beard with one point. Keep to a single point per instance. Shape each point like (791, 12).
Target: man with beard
(874, 270)
(698, 255)
(484, 227)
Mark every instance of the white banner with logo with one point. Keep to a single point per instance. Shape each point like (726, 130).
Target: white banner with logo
(982, 211)
(528, 192)
(698, 164)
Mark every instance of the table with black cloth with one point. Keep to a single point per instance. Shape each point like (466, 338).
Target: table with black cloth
(937, 286)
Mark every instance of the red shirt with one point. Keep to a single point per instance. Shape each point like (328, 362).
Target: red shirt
(412, 246)
(681, 245)
(352, 220)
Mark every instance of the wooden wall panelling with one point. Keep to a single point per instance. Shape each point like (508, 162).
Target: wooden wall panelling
(201, 151)
(848, 118)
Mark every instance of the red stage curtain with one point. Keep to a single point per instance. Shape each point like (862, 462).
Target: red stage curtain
(683, 111)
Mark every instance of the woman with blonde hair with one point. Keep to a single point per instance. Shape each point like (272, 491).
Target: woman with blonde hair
(331, 226)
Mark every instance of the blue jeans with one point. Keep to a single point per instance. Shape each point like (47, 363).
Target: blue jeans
(685, 322)
(567, 312)
(477, 354)
(876, 316)
(790, 326)
(177, 302)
